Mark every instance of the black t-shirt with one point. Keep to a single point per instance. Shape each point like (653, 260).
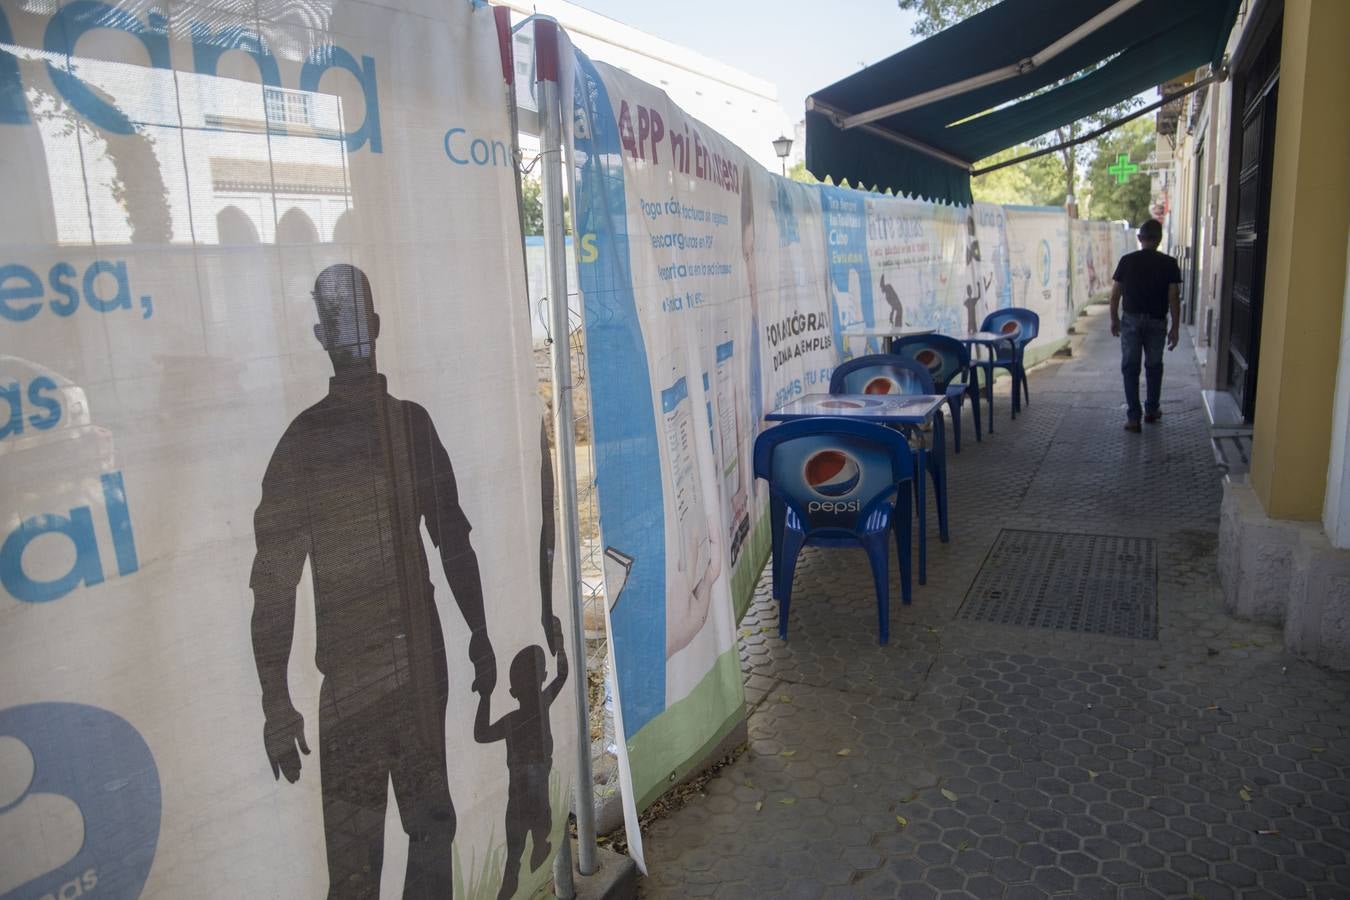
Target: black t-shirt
(1144, 277)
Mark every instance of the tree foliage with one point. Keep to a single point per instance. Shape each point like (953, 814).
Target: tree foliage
(798, 172)
(1108, 199)
(530, 190)
(933, 16)
(1037, 182)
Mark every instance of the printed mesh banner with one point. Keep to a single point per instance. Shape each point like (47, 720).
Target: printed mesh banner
(706, 303)
(1038, 263)
(713, 292)
(278, 613)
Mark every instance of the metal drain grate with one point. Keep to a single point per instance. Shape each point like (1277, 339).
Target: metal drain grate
(1089, 583)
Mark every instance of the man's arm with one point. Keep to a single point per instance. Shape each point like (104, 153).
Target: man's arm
(279, 531)
(555, 686)
(1116, 291)
(552, 625)
(483, 732)
(438, 499)
(1174, 306)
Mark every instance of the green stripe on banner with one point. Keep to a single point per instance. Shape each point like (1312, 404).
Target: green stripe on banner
(659, 752)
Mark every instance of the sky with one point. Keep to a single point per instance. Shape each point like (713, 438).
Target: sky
(799, 45)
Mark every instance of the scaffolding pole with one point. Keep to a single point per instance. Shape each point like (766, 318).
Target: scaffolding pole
(555, 261)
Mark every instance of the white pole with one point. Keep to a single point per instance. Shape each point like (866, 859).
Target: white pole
(555, 261)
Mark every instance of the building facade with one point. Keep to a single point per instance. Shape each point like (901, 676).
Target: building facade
(1260, 217)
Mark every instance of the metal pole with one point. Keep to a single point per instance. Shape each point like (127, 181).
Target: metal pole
(1114, 123)
(505, 45)
(555, 261)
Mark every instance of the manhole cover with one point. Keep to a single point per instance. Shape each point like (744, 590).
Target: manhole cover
(1090, 583)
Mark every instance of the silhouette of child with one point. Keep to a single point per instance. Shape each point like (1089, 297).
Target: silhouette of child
(529, 758)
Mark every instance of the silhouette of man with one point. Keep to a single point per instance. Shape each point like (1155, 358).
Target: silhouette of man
(893, 301)
(348, 487)
(975, 291)
(529, 758)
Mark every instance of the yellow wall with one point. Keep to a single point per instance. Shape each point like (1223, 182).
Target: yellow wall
(1305, 261)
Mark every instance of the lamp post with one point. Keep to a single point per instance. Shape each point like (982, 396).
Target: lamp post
(782, 145)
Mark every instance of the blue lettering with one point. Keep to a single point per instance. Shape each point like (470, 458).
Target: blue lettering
(78, 528)
(87, 568)
(119, 522)
(13, 395)
(29, 288)
(35, 398)
(208, 47)
(55, 276)
(457, 160)
(120, 300)
(64, 31)
(473, 151)
(332, 57)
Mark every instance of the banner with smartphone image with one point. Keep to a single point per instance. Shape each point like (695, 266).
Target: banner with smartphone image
(280, 614)
(706, 304)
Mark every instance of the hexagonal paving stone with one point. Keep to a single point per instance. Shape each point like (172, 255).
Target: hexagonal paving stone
(1084, 766)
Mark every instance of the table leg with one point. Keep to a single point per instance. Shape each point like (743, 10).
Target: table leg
(919, 478)
(989, 390)
(940, 475)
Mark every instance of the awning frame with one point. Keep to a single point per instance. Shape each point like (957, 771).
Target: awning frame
(1021, 67)
(1220, 75)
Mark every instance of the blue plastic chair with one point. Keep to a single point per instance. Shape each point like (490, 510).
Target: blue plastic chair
(947, 360)
(884, 373)
(837, 483)
(881, 373)
(1023, 326)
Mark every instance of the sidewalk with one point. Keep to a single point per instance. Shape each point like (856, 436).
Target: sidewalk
(976, 759)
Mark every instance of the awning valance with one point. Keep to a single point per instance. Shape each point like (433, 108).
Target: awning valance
(915, 122)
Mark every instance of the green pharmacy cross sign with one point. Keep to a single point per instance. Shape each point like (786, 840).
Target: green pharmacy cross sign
(1122, 168)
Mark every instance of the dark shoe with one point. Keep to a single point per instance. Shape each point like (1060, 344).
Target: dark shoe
(1132, 426)
(1151, 418)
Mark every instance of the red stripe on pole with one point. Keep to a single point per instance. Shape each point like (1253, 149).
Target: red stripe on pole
(546, 50)
(502, 16)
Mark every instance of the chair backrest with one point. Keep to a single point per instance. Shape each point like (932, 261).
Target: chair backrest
(1004, 321)
(942, 356)
(881, 373)
(836, 475)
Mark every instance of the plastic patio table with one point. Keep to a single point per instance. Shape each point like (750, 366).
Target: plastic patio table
(887, 332)
(913, 410)
(986, 339)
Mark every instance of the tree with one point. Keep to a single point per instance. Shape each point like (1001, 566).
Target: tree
(530, 189)
(933, 16)
(798, 172)
(1037, 182)
(1108, 198)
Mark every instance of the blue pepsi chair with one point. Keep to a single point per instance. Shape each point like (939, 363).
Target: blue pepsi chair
(885, 373)
(837, 483)
(1022, 326)
(947, 360)
(881, 373)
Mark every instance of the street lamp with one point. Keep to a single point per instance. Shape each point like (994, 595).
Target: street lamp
(782, 145)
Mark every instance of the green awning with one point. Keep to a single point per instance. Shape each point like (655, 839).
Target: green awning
(928, 149)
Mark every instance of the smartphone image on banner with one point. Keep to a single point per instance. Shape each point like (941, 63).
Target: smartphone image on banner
(729, 429)
(678, 420)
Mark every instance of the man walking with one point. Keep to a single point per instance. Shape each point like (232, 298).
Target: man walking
(1150, 283)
